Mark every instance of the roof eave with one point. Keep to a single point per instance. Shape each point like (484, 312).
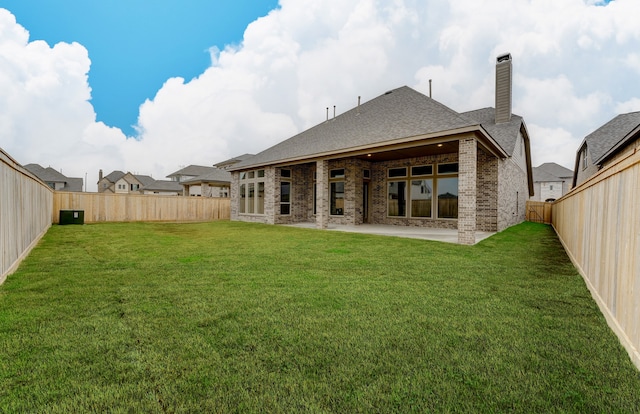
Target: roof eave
(363, 149)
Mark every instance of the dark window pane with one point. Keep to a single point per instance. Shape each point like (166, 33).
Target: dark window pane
(337, 198)
(336, 173)
(397, 203)
(448, 168)
(285, 192)
(260, 173)
(397, 172)
(422, 170)
(285, 173)
(285, 208)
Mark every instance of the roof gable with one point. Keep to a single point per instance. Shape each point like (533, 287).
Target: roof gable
(604, 140)
(113, 176)
(504, 133)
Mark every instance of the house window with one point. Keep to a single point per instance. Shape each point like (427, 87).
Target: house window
(135, 187)
(397, 203)
(251, 200)
(447, 197)
(285, 197)
(285, 173)
(420, 188)
(337, 198)
(336, 191)
(339, 173)
(584, 158)
(421, 197)
(251, 204)
(243, 198)
(396, 172)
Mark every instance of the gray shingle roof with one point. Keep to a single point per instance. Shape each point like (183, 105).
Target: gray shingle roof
(397, 114)
(50, 175)
(612, 135)
(504, 134)
(233, 160)
(163, 185)
(553, 170)
(114, 176)
(192, 170)
(145, 179)
(217, 175)
(46, 174)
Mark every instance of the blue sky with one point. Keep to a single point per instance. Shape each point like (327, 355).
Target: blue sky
(69, 103)
(136, 45)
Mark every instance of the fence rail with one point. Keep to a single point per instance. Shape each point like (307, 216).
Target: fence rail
(538, 212)
(100, 207)
(25, 213)
(599, 226)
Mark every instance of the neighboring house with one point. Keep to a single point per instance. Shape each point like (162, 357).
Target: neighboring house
(190, 172)
(551, 181)
(605, 145)
(163, 187)
(216, 183)
(400, 159)
(54, 179)
(118, 182)
(233, 161)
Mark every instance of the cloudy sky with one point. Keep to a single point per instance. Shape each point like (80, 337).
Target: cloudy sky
(151, 86)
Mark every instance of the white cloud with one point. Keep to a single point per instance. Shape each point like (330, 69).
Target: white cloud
(575, 63)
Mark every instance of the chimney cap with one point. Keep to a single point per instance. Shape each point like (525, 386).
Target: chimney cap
(503, 58)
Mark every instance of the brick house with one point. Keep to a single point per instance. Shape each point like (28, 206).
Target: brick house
(615, 139)
(118, 182)
(551, 181)
(400, 159)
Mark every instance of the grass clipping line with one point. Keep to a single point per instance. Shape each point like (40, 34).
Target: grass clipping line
(238, 317)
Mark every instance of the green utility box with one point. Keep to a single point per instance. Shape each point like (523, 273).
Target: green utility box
(71, 217)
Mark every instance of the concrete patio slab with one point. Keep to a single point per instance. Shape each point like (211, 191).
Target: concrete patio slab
(442, 235)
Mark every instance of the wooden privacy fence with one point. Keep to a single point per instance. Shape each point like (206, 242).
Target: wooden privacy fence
(599, 226)
(25, 213)
(99, 207)
(539, 212)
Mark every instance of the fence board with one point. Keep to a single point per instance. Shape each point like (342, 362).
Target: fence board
(599, 226)
(100, 207)
(25, 208)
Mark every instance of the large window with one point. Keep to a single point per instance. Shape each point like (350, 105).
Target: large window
(337, 198)
(421, 197)
(397, 199)
(336, 192)
(251, 200)
(411, 191)
(285, 192)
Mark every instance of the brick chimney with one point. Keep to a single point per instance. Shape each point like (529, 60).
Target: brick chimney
(100, 175)
(503, 88)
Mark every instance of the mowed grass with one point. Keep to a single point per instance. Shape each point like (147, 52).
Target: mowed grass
(237, 317)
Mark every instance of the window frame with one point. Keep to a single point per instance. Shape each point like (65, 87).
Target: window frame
(438, 172)
(250, 182)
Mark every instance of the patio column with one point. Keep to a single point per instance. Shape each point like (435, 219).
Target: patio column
(467, 190)
(322, 194)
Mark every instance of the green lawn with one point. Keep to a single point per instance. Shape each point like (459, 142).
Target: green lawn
(237, 317)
